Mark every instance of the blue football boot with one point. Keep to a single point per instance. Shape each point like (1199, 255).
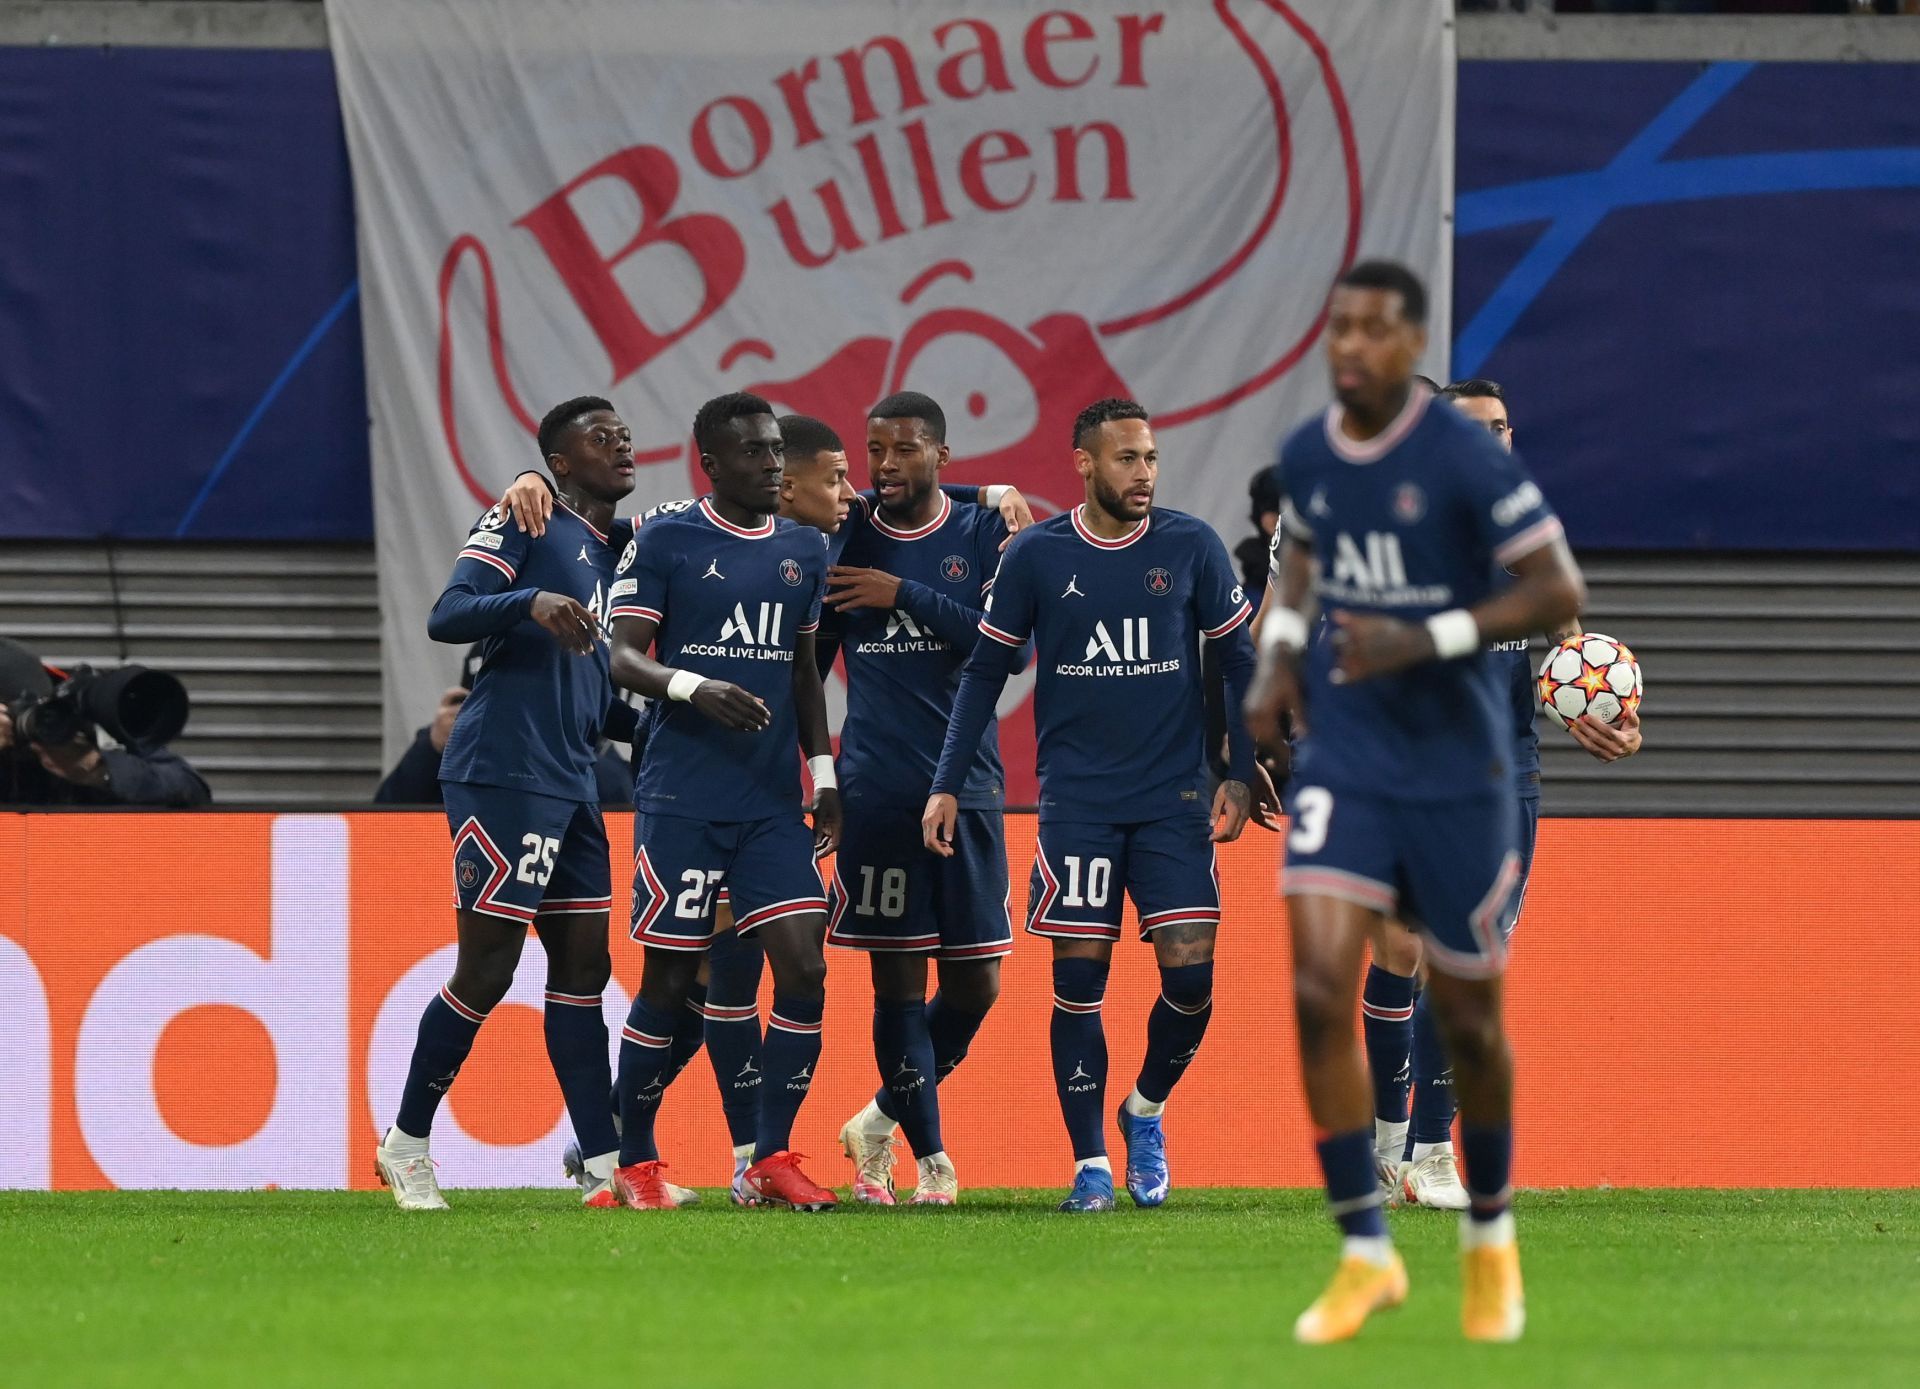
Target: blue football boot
(1092, 1191)
(1147, 1179)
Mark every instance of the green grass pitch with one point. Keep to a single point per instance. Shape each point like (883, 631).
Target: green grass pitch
(1625, 1288)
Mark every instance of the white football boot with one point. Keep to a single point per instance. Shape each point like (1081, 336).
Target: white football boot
(938, 1184)
(408, 1173)
(867, 1140)
(1434, 1181)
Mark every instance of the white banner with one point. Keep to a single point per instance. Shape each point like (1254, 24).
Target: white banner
(1014, 209)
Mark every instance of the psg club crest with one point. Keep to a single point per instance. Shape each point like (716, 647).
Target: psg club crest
(1159, 582)
(790, 571)
(469, 875)
(954, 568)
(1409, 503)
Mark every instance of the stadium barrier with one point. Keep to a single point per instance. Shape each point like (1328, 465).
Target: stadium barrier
(229, 1000)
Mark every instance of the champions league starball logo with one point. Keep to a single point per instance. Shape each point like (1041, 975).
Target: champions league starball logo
(961, 174)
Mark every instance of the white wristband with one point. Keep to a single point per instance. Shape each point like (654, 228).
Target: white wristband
(1284, 628)
(682, 684)
(821, 770)
(1454, 633)
(996, 493)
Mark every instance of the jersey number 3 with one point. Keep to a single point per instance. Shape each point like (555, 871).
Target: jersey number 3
(1312, 809)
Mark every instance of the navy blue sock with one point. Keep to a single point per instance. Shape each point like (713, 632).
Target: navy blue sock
(447, 1030)
(789, 1056)
(689, 1031)
(1489, 1154)
(577, 1047)
(1386, 1020)
(646, 1053)
(1432, 1081)
(732, 1029)
(1174, 1027)
(1079, 1045)
(1353, 1188)
(903, 1047)
(952, 1030)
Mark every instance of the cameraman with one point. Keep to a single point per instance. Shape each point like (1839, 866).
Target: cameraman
(83, 773)
(77, 770)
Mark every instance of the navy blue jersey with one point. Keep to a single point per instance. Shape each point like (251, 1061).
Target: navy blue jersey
(903, 664)
(1116, 626)
(731, 603)
(1413, 522)
(1512, 660)
(536, 714)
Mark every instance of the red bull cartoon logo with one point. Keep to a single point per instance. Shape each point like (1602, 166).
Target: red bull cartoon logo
(989, 265)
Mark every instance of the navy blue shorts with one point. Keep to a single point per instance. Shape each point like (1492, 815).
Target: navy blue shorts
(890, 893)
(1446, 868)
(680, 865)
(1529, 833)
(517, 855)
(1080, 871)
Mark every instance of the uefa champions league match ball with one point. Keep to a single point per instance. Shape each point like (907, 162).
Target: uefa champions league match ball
(1589, 674)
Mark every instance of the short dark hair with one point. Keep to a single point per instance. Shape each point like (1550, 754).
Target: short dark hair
(557, 420)
(1087, 423)
(1428, 382)
(911, 405)
(1475, 388)
(1265, 493)
(807, 437)
(723, 410)
(1391, 275)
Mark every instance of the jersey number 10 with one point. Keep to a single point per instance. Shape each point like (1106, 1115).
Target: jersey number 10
(1099, 882)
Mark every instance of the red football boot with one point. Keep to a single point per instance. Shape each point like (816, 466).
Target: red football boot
(640, 1187)
(778, 1181)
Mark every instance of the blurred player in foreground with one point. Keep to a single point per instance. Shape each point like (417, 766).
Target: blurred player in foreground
(1115, 595)
(1402, 797)
(909, 592)
(1414, 1153)
(529, 846)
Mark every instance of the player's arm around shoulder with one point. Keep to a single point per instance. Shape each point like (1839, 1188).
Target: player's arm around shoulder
(529, 500)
